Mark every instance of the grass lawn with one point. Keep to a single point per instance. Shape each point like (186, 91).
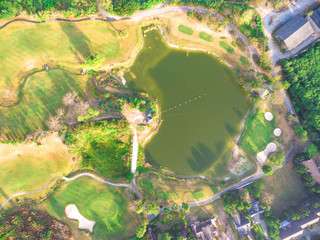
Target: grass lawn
(42, 95)
(244, 61)
(226, 46)
(28, 167)
(205, 36)
(258, 133)
(287, 188)
(166, 190)
(25, 46)
(185, 30)
(104, 204)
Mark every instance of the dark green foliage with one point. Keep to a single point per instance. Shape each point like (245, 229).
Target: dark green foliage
(274, 225)
(299, 212)
(43, 8)
(300, 131)
(312, 150)
(265, 62)
(299, 168)
(300, 157)
(128, 7)
(303, 73)
(175, 207)
(104, 146)
(186, 207)
(267, 169)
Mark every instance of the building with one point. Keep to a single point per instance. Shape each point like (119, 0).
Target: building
(207, 230)
(241, 225)
(294, 32)
(293, 229)
(313, 169)
(315, 17)
(255, 212)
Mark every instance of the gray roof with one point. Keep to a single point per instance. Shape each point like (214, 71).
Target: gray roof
(296, 225)
(316, 17)
(295, 31)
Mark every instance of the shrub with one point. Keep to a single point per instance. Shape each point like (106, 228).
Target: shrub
(268, 170)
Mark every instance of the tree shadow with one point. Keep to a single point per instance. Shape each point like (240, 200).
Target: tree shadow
(202, 158)
(77, 38)
(231, 130)
(151, 160)
(5, 195)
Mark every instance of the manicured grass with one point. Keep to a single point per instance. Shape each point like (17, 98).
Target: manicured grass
(104, 204)
(205, 37)
(42, 95)
(226, 46)
(166, 190)
(25, 46)
(244, 61)
(185, 30)
(28, 167)
(258, 133)
(287, 188)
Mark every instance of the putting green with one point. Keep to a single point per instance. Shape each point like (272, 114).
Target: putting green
(104, 204)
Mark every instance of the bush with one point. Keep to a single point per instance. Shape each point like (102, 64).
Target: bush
(268, 170)
(265, 62)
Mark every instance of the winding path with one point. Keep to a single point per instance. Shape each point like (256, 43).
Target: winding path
(67, 180)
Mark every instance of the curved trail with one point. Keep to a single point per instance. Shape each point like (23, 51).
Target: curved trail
(67, 180)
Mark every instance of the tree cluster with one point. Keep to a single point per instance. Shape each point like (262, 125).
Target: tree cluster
(303, 74)
(45, 8)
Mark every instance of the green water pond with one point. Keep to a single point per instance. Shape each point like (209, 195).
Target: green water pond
(205, 108)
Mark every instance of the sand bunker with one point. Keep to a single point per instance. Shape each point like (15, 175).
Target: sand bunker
(263, 156)
(72, 212)
(277, 132)
(268, 116)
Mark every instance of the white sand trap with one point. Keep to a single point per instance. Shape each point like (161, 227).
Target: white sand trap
(277, 132)
(268, 116)
(263, 156)
(72, 212)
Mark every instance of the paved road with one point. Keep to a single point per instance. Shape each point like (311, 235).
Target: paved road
(68, 180)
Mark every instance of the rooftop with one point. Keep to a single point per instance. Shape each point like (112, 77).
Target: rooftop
(206, 230)
(316, 17)
(295, 31)
(313, 168)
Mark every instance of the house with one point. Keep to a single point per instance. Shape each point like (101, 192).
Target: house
(255, 212)
(241, 225)
(289, 231)
(313, 169)
(294, 32)
(315, 17)
(149, 114)
(206, 230)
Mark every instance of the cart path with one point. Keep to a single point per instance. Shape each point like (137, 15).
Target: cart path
(67, 180)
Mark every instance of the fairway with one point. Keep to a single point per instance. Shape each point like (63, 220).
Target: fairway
(185, 30)
(28, 167)
(105, 205)
(25, 46)
(258, 133)
(205, 37)
(226, 46)
(42, 95)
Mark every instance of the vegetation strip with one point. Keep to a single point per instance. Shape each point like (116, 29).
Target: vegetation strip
(68, 180)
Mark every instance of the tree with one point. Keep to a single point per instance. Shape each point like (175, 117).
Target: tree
(299, 168)
(186, 207)
(268, 170)
(285, 85)
(140, 231)
(152, 208)
(165, 236)
(240, 206)
(265, 62)
(266, 197)
(312, 150)
(53, 123)
(315, 201)
(69, 98)
(175, 207)
(125, 7)
(93, 61)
